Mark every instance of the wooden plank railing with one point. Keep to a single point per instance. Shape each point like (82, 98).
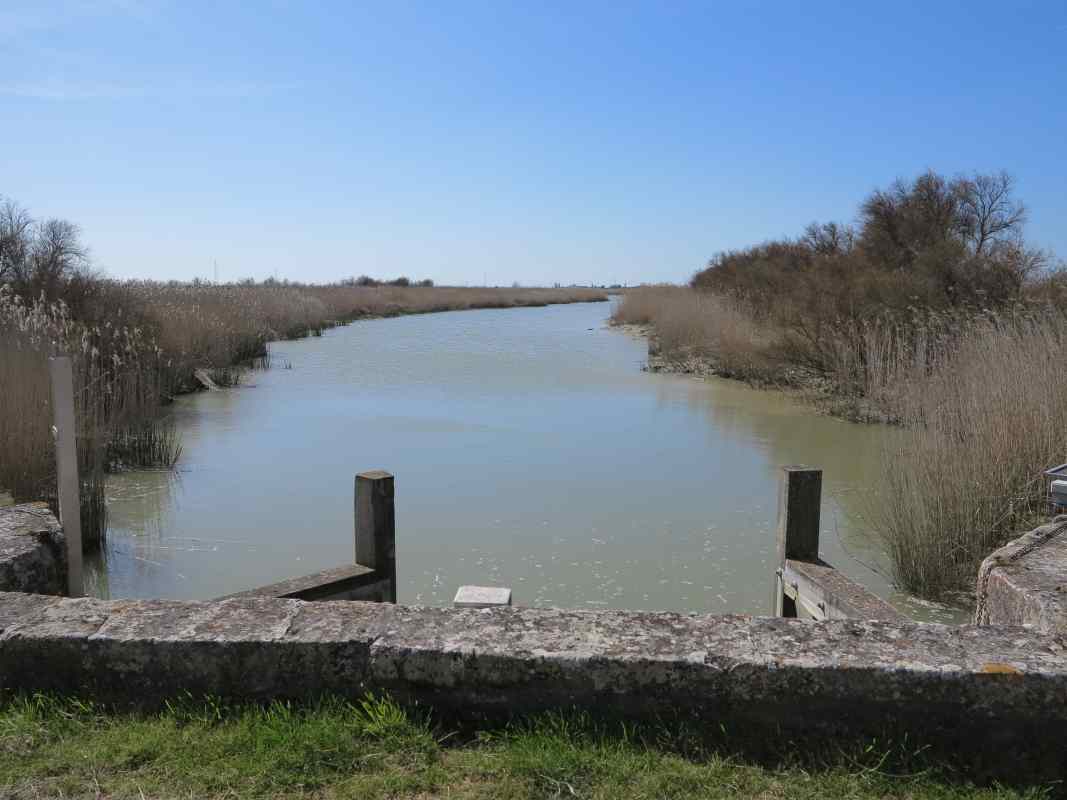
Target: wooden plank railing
(805, 586)
(373, 575)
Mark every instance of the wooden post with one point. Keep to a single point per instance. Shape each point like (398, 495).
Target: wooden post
(376, 527)
(67, 469)
(799, 502)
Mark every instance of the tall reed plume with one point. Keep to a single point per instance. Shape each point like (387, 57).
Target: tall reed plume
(117, 382)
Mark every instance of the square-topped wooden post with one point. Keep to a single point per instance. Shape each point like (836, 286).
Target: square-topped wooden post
(799, 505)
(376, 528)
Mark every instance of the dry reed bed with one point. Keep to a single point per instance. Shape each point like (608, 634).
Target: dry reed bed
(221, 327)
(354, 302)
(118, 375)
(982, 422)
(689, 328)
(981, 398)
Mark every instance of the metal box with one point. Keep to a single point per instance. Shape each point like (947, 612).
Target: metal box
(1057, 489)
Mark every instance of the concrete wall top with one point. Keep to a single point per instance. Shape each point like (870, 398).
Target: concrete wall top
(994, 693)
(32, 550)
(1025, 582)
(847, 674)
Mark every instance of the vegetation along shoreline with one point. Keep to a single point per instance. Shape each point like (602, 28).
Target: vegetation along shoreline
(932, 313)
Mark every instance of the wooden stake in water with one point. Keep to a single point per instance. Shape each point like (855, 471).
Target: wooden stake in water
(799, 502)
(376, 528)
(67, 469)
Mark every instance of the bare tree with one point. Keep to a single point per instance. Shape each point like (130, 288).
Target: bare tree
(988, 212)
(16, 227)
(45, 258)
(57, 251)
(829, 238)
(899, 224)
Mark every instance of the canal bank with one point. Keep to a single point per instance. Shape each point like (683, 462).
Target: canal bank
(532, 451)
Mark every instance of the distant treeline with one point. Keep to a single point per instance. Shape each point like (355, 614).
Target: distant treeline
(366, 280)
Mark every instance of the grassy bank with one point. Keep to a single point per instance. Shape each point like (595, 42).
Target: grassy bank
(62, 748)
(932, 314)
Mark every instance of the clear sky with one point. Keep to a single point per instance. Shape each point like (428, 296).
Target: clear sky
(533, 142)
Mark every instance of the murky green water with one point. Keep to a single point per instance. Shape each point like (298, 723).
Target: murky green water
(529, 450)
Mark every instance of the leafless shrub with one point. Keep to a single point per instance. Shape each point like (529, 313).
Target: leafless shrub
(931, 243)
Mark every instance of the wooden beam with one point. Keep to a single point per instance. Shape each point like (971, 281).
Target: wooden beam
(68, 486)
(799, 502)
(822, 592)
(376, 527)
(348, 582)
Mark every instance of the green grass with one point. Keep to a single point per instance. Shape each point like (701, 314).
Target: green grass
(55, 747)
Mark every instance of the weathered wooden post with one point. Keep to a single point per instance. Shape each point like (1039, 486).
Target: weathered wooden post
(67, 469)
(799, 502)
(376, 528)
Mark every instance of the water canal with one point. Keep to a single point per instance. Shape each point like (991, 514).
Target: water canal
(529, 449)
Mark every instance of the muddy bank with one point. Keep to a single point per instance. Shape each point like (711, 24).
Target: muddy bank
(806, 384)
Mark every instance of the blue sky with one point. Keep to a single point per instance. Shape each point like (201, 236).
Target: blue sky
(531, 142)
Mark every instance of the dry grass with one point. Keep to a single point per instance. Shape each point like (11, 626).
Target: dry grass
(221, 327)
(117, 380)
(690, 325)
(346, 303)
(981, 425)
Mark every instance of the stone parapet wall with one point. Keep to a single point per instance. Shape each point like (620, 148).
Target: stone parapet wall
(992, 695)
(984, 690)
(32, 550)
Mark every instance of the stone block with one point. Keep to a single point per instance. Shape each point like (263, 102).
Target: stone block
(1025, 582)
(482, 597)
(32, 550)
